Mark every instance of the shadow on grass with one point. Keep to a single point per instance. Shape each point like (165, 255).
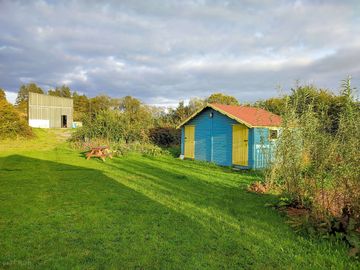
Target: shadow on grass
(189, 164)
(213, 202)
(141, 213)
(71, 216)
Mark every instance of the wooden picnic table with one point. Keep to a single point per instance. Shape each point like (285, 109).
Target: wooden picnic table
(100, 152)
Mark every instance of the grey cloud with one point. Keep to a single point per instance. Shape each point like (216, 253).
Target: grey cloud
(163, 52)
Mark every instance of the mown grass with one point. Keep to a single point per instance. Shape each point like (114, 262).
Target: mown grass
(60, 211)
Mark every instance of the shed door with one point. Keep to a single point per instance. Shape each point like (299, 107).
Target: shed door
(240, 145)
(64, 121)
(189, 141)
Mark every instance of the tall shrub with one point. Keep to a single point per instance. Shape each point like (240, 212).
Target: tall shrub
(110, 125)
(315, 167)
(12, 124)
(165, 136)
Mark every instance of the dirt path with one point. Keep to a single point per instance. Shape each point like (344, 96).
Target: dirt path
(62, 134)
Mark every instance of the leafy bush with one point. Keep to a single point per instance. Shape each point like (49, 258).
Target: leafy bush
(322, 100)
(165, 136)
(320, 168)
(12, 125)
(146, 149)
(114, 128)
(111, 125)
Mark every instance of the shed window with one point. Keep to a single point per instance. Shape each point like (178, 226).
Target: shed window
(273, 134)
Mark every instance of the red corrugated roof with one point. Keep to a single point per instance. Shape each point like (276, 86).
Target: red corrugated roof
(250, 115)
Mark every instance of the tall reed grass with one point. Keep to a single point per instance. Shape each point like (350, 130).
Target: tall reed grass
(318, 169)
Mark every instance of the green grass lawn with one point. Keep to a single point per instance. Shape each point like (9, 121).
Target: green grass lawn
(60, 211)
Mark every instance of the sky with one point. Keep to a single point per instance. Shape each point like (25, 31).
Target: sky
(166, 51)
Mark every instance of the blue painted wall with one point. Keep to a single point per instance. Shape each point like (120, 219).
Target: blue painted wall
(213, 140)
(213, 137)
(260, 148)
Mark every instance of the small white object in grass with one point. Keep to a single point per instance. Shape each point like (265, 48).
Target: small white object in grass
(181, 157)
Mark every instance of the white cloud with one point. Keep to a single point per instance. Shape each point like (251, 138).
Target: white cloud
(166, 52)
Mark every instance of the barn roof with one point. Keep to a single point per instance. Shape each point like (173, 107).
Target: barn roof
(249, 116)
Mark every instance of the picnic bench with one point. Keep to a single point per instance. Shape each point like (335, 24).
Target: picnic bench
(100, 152)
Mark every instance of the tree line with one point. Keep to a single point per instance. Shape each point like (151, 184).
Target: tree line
(132, 120)
(139, 116)
(85, 106)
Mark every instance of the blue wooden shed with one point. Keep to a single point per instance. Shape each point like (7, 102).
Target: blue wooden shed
(230, 135)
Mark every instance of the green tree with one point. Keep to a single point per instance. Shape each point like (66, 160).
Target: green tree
(81, 106)
(129, 122)
(196, 104)
(23, 95)
(159, 116)
(129, 105)
(221, 98)
(99, 103)
(180, 113)
(274, 105)
(62, 91)
(174, 116)
(136, 119)
(323, 102)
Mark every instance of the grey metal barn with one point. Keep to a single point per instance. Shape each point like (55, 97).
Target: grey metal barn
(46, 111)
